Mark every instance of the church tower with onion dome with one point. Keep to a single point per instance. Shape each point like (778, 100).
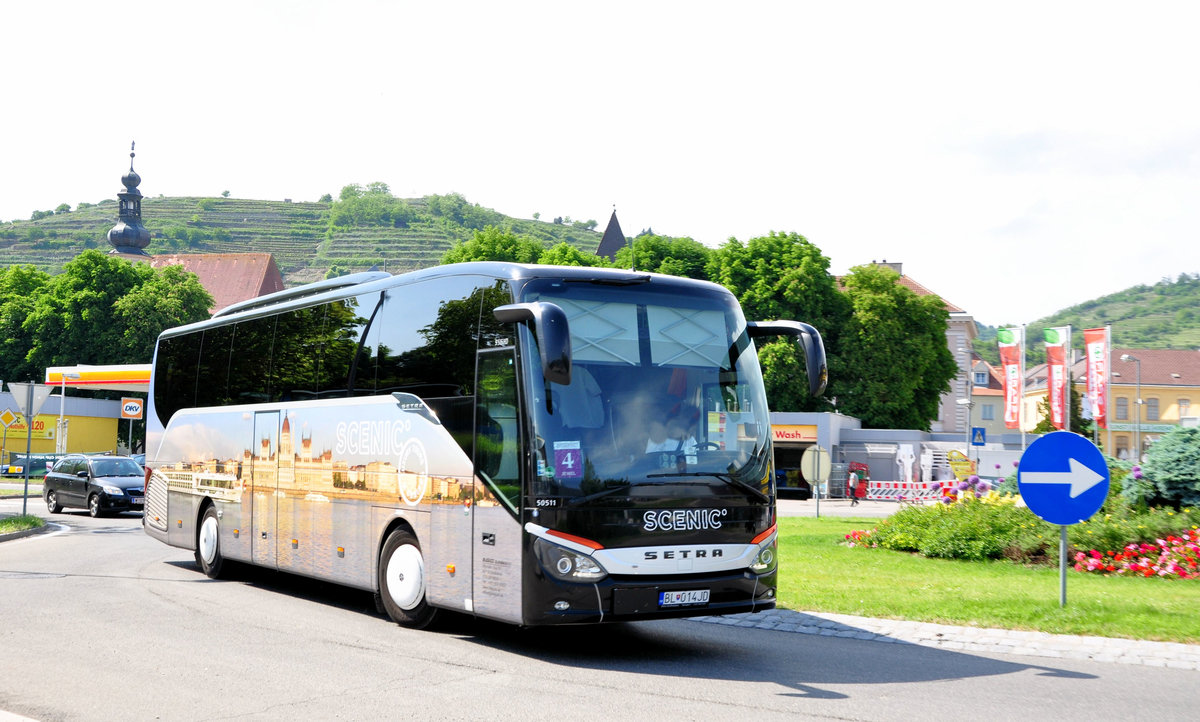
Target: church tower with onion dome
(129, 236)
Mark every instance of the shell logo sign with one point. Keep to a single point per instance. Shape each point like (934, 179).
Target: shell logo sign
(131, 408)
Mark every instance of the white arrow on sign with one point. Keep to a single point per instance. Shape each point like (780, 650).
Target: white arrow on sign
(1080, 477)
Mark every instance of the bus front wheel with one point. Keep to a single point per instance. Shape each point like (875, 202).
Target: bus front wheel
(208, 544)
(402, 581)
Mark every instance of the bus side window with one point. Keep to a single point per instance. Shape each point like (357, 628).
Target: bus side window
(175, 371)
(250, 361)
(296, 354)
(214, 367)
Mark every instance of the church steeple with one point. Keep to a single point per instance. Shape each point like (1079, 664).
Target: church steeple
(613, 239)
(129, 235)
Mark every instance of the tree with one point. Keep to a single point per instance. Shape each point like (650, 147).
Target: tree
(105, 310)
(658, 254)
(784, 276)
(1079, 424)
(370, 206)
(1173, 464)
(564, 254)
(896, 364)
(896, 350)
(170, 297)
(63, 208)
(19, 287)
(224, 194)
(495, 244)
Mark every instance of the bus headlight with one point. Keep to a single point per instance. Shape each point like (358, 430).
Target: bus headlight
(765, 560)
(566, 565)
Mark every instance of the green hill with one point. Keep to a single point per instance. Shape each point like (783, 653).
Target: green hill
(304, 242)
(1165, 315)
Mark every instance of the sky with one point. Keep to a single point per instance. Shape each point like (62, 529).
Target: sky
(1017, 158)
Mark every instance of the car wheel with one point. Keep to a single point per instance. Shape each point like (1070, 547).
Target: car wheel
(208, 544)
(52, 502)
(94, 509)
(402, 581)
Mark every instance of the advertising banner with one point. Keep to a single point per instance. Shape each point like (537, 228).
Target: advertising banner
(1012, 350)
(1096, 345)
(1058, 340)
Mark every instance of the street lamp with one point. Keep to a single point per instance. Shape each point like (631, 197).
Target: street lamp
(60, 442)
(1137, 410)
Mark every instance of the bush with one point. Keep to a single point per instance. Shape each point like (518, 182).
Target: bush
(1173, 464)
(996, 527)
(992, 528)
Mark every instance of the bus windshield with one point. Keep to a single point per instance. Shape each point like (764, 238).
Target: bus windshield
(665, 389)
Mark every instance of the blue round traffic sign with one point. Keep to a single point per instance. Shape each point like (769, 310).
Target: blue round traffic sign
(1063, 478)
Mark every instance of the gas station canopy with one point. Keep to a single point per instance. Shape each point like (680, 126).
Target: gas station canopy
(119, 377)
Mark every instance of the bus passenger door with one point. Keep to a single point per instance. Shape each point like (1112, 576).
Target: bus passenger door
(496, 545)
(264, 477)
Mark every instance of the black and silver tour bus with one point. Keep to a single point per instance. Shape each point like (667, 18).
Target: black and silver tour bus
(531, 444)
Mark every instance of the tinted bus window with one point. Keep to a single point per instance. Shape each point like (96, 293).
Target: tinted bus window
(362, 365)
(345, 323)
(250, 361)
(296, 354)
(175, 375)
(214, 367)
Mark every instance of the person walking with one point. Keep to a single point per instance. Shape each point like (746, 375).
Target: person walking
(853, 484)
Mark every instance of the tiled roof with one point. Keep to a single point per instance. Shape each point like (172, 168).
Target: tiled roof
(1160, 367)
(916, 288)
(229, 277)
(922, 291)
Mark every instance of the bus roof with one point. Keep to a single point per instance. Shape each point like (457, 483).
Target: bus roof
(369, 281)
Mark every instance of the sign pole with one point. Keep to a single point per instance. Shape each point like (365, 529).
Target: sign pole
(817, 486)
(28, 447)
(1062, 566)
(1064, 480)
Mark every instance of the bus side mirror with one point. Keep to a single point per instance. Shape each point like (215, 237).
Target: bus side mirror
(810, 340)
(553, 332)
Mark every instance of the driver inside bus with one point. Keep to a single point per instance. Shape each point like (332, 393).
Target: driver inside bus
(675, 434)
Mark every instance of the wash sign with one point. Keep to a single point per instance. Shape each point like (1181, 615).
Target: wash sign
(1063, 478)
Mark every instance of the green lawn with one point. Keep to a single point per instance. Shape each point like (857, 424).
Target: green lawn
(818, 572)
(10, 524)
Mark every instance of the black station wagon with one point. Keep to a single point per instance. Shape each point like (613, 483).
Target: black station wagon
(101, 484)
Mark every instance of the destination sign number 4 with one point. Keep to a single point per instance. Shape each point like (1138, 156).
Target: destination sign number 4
(685, 598)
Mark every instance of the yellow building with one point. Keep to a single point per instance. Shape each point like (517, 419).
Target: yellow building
(93, 426)
(1166, 380)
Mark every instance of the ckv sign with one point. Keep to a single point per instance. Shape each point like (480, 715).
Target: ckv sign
(1063, 478)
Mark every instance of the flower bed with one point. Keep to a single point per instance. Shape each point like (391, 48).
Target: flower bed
(1144, 542)
(1175, 557)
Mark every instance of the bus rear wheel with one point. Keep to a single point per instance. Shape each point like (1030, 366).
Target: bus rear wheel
(208, 544)
(402, 581)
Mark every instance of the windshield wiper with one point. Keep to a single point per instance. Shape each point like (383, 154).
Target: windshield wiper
(614, 489)
(729, 480)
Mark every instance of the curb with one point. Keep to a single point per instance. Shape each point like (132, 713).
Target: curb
(971, 639)
(13, 536)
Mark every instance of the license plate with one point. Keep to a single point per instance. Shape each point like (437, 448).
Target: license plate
(681, 599)
(137, 500)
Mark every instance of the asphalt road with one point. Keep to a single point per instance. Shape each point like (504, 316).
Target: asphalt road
(100, 622)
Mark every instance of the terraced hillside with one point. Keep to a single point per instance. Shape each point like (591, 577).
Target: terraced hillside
(297, 234)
